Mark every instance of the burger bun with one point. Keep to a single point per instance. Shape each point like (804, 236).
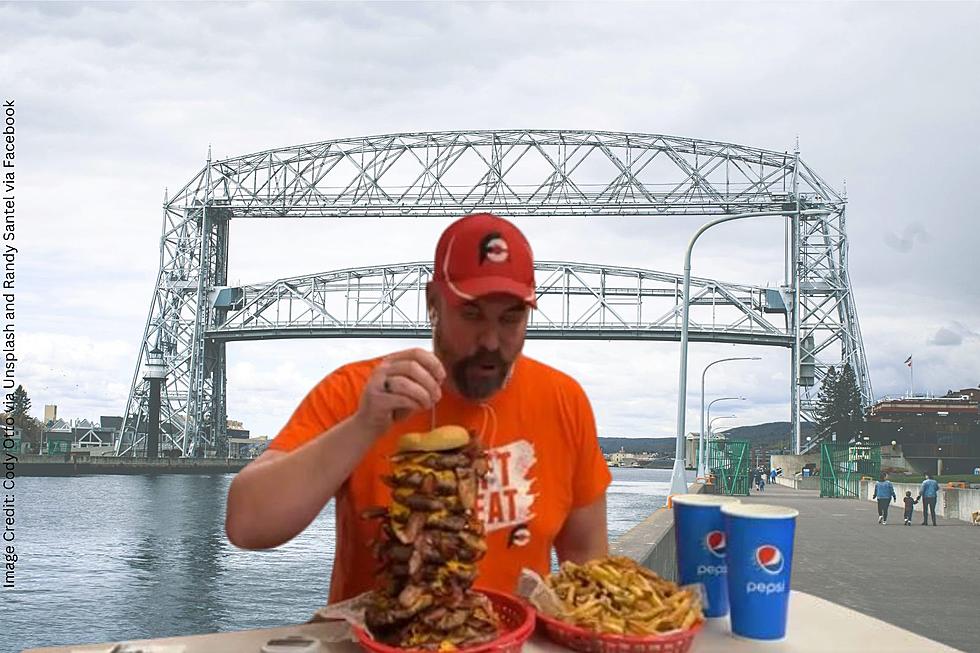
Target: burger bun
(440, 439)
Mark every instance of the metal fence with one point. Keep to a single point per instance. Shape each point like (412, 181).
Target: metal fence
(843, 465)
(728, 461)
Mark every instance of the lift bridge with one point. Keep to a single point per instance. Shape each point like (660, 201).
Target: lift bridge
(541, 174)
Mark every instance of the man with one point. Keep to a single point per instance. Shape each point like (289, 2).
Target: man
(547, 483)
(929, 493)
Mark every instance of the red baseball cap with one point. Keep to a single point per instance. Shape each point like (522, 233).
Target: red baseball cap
(482, 254)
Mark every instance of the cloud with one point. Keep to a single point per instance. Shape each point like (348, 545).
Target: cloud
(946, 338)
(953, 335)
(913, 233)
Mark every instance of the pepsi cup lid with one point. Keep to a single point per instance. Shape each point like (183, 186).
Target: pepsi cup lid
(759, 511)
(703, 499)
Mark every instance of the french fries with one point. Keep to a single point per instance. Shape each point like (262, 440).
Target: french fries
(616, 595)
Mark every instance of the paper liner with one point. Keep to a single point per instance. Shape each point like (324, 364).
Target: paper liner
(352, 611)
(532, 587)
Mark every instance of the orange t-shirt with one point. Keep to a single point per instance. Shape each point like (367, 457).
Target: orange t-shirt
(545, 461)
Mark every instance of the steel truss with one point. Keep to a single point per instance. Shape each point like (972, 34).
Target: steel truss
(515, 173)
(575, 300)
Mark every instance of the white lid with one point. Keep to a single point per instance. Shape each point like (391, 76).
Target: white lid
(759, 511)
(703, 499)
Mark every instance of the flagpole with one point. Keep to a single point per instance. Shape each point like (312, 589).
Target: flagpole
(911, 379)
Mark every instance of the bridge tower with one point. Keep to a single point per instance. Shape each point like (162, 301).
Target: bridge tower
(541, 173)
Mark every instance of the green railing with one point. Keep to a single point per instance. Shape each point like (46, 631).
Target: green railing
(843, 465)
(728, 461)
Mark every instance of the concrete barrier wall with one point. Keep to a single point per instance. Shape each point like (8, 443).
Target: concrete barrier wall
(953, 503)
(808, 483)
(651, 542)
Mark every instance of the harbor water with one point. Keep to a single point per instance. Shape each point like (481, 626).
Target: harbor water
(109, 558)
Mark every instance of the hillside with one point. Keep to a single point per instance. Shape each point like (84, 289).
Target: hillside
(771, 435)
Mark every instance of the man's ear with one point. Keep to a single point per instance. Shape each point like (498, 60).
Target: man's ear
(430, 301)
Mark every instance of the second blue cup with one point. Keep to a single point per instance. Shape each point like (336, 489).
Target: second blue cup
(760, 556)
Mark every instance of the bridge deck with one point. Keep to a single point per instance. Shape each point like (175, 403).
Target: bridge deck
(923, 578)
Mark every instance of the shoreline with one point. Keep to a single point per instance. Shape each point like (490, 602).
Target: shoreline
(69, 465)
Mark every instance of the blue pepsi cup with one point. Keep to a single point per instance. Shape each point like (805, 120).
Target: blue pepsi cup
(760, 556)
(700, 534)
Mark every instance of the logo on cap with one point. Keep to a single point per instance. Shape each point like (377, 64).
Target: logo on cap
(769, 558)
(715, 541)
(493, 248)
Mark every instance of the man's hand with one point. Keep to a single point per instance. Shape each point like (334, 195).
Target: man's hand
(404, 382)
(584, 535)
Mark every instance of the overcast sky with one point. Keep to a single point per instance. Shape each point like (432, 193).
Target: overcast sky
(115, 102)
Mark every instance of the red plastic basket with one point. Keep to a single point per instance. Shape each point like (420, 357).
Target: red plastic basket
(589, 641)
(516, 621)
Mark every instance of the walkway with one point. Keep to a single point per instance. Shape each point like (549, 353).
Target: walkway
(923, 578)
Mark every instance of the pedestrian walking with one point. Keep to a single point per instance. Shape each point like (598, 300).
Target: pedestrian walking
(885, 494)
(929, 492)
(762, 481)
(909, 507)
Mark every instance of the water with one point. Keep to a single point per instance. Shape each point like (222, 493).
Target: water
(108, 558)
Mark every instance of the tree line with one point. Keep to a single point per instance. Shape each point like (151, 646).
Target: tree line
(839, 408)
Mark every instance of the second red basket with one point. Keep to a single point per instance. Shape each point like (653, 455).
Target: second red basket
(589, 641)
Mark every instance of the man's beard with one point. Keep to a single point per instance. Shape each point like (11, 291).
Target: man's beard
(476, 387)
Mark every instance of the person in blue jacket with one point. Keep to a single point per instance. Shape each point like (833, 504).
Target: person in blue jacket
(885, 494)
(929, 492)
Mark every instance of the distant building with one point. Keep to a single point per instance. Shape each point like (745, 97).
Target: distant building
(623, 458)
(62, 437)
(247, 447)
(57, 437)
(236, 431)
(935, 434)
(50, 413)
(691, 449)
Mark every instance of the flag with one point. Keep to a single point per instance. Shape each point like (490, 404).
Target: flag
(908, 361)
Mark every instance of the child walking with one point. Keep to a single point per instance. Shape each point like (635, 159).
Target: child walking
(909, 507)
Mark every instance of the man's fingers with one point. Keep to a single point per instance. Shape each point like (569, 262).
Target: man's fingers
(404, 386)
(426, 359)
(416, 372)
(396, 405)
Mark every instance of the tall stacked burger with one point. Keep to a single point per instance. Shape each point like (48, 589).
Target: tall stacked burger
(430, 541)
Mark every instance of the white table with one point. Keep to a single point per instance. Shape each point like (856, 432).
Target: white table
(815, 626)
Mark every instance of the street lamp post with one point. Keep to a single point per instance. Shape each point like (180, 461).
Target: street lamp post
(678, 484)
(702, 467)
(701, 445)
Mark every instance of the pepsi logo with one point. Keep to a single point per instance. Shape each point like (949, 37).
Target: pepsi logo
(769, 558)
(715, 541)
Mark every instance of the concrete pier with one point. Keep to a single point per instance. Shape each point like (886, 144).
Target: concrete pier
(69, 465)
(922, 578)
